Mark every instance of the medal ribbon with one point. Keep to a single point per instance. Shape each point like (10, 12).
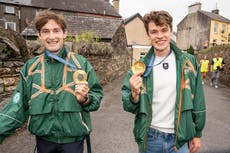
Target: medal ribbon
(149, 67)
(54, 56)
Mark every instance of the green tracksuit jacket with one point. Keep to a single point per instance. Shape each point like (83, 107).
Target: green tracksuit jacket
(46, 95)
(190, 103)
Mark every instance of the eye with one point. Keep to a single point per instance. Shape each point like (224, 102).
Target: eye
(57, 30)
(45, 31)
(153, 32)
(165, 30)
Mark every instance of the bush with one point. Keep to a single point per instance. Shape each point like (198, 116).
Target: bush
(190, 50)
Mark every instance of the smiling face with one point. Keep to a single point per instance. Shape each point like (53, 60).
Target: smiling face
(52, 36)
(160, 38)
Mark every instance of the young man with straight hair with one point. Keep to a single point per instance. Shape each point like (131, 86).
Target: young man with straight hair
(166, 95)
(56, 91)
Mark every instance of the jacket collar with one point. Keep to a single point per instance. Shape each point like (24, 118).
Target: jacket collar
(174, 48)
(62, 54)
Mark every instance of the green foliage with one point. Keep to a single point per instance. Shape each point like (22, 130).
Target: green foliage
(190, 50)
(87, 37)
(7, 51)
(69, 38)
(215, 48)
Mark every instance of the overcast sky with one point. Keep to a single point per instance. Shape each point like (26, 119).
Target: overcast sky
(177, 8)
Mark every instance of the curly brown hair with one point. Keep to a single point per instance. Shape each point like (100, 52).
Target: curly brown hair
(160, 18)
(44, 16)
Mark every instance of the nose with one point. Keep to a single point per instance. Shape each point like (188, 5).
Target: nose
(51, 34)
(159, 34)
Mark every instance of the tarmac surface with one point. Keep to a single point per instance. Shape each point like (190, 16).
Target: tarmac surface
(112, 126)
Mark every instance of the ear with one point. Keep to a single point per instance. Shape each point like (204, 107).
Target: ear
(39, 35)
(65, 34)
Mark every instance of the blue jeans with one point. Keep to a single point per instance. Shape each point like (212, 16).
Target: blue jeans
(160, 142)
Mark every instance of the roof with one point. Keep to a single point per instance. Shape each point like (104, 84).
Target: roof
(87, 6)
(102, 27)
(137, 15)
(215, 16)
(97, 16)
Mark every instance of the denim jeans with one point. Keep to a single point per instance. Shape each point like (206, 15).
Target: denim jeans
(215, 77)
(160, 142)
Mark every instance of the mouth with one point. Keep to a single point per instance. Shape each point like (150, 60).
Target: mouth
(160, 42)
(52, 42)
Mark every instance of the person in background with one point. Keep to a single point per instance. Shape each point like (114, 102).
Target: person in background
(168, 98)
(217, 65)
(58, 108)
(204, 67)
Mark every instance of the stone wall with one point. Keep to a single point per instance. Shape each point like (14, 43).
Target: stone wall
(224, 51)
(110, 68)
(9, 75)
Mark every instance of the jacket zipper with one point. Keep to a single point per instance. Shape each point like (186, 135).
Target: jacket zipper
(147, 128)
(180, 104)
(83, 123)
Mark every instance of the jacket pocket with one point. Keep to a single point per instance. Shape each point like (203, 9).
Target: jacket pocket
(140, 124)
(187, 126)
(59, 124)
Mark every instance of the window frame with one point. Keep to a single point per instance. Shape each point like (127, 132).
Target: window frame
(215, 29)
(223, 28)
(13, 23)
(9, 9)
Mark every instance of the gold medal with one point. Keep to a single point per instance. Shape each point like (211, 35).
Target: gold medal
(138, 67)
(79, 76)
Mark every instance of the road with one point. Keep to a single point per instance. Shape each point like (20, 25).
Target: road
(112, 127)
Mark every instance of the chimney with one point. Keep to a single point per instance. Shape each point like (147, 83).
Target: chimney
(194, 8)
(116, 5)
(216, 11)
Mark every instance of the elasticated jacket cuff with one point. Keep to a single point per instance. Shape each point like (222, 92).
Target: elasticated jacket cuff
(198, 134)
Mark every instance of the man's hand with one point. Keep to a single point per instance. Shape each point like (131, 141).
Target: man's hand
(135, 83)
(194, 145)
(81, 91)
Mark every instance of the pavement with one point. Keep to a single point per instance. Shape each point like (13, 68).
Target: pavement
(112, 126)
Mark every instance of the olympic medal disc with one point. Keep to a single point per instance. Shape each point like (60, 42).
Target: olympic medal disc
(138, 67)
(79, 76)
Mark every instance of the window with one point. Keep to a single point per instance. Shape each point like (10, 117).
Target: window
(214, 42)
(222, 42)
(228, 38)
(10, 25)
(215, 27)
(9, 9)
(223, 29)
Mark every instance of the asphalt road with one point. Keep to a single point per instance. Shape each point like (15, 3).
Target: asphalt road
(112, 127)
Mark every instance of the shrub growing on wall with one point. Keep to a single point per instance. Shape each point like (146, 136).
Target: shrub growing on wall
(190, 50)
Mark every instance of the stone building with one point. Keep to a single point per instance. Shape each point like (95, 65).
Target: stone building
(202, 29)
(96, 16)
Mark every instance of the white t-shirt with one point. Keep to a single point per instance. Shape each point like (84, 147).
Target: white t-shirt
(164, 93)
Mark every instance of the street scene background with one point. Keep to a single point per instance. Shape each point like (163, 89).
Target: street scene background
(112, 126)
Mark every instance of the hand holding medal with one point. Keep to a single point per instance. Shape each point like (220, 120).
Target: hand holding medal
(81, 87)
(138, 69)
